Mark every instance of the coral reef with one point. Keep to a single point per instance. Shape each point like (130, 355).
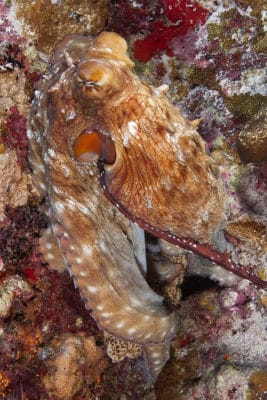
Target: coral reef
(216, 347)
(35, 304)
(212, 54)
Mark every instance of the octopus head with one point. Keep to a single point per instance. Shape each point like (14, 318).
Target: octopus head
(101, 75)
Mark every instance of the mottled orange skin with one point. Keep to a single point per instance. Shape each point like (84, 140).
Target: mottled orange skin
(87, 234)
(160, 177)
(162, 173)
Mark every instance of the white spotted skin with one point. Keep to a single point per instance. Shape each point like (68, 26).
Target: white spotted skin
(89, 241)
(157, 355)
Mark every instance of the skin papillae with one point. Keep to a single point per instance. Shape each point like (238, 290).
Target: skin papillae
(101, 140)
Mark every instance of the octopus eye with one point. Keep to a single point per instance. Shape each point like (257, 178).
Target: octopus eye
(93, 73)
(98, 79)
(92, 146)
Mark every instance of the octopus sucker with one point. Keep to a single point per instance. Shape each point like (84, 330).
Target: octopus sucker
(102, 141)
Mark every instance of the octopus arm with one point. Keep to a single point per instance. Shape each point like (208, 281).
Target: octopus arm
(50, 251)
(109, 279)
(157, 355)
(35, 157)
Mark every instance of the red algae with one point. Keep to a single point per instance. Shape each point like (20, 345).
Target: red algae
(159, 39)
(150, 16)
(185, 16)
(30, 273)
(15, 136)
(8, 33)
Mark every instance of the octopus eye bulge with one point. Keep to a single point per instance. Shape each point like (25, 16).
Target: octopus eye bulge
(97, 80)
(93, 146)
(95, 73)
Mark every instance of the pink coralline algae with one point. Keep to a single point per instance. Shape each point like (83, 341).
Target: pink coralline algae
(230, 298)
(8, 33)
(253, 188)
(227, 49)
(215, 118)
(220, 342)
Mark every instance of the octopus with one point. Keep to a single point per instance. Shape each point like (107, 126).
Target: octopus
(106, 149)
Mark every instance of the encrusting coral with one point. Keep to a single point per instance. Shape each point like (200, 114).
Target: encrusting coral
(71, 354)
(252, 140)
(45, 21)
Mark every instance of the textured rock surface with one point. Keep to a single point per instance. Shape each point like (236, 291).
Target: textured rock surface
(13, 183)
